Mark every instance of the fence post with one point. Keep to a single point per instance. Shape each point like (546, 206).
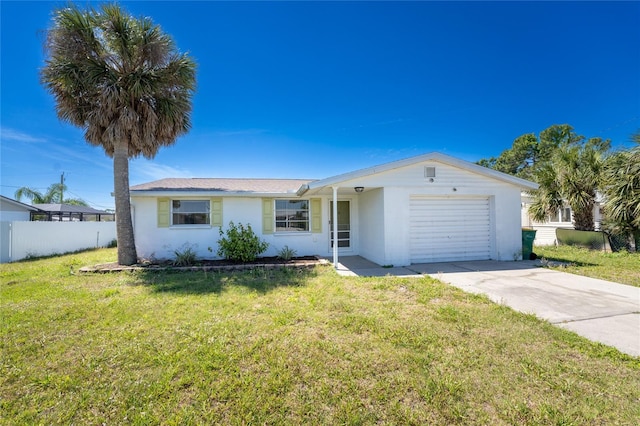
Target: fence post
(10, 241)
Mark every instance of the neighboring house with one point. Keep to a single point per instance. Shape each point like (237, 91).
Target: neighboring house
(546, 231)
(428, 208)
(70, 213)
(12, 210)
(22, 235)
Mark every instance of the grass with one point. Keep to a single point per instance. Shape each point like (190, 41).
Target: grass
(288, 347)
(621, 267)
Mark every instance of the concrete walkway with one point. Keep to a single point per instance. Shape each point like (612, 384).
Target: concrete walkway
(599, 310)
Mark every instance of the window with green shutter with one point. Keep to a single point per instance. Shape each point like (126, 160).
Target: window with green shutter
(267, 216)
(292, 215)
(179, 212)
(216, 212)
(190, 212)
(316, 215)
(164, 212)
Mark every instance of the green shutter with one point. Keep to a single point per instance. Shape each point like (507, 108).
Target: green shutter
(216, 212)
(164, 212)
(316, 215)
(267, 216)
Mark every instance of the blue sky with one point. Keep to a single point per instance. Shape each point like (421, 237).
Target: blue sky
(315, 89)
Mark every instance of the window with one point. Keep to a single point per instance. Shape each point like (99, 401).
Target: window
(563, 215)
(190, 212)
(292, 216)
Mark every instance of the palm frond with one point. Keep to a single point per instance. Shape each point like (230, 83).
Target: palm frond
(35, 196)
(127, 83)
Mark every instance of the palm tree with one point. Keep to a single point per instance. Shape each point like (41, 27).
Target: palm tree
(574, 174)
(622, 192)
(52, 195)
(124, 83)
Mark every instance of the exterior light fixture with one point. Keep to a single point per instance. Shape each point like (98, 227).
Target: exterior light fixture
(359, 189)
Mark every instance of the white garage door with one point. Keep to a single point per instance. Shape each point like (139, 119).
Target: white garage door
(446, 229)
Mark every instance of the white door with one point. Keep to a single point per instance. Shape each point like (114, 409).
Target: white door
(448, 229)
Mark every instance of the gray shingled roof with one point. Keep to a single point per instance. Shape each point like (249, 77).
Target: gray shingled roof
(69, 208)
(223, 185)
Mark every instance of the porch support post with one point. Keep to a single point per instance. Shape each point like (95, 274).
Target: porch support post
(334, 224)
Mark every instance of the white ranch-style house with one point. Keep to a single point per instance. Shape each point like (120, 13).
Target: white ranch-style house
(563, 219)
(429, 208)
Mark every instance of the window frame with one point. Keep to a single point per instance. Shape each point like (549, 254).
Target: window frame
(290, 230)
(557, 218)
(207, 212)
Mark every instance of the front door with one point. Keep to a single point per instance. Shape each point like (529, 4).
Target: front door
(344, 224)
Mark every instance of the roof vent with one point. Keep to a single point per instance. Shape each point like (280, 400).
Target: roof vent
(429, 172)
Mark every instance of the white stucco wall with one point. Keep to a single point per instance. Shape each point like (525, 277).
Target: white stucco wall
(10, 212)
(372, 225)
(508, 228)
(396, 211)
(160, 243)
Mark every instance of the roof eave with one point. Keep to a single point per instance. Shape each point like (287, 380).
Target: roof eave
(206, 193)
(433, 156)
(20, 204)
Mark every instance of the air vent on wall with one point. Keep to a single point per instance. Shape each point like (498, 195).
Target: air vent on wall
(429, 172)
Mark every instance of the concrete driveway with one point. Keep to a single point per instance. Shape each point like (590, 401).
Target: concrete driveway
(599, 310)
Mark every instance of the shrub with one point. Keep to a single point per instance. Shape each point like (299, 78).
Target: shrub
(240, 244)
(185, 257)
(112, 244)
(286, 253)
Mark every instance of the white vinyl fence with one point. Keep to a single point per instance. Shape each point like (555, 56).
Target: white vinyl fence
(19, 240)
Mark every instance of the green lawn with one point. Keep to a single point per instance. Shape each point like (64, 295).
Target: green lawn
(621, 267)
(288, 347)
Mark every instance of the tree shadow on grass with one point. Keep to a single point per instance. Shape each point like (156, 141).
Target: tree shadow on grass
(260, 280)
(560, 261)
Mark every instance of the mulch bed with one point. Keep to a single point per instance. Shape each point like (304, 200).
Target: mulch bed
(210, 265)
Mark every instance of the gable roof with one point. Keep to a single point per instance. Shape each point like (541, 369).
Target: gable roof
(223, 185)
(247, 186)
(432, 156)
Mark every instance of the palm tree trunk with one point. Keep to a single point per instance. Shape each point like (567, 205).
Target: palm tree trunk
(583, 218)
(124, 225)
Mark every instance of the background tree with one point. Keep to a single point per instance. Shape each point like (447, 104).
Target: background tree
(520, 158)
(622, 192)
(123, 81)
(529, 152)
(52, 195)
(567, 166)
(573, 175)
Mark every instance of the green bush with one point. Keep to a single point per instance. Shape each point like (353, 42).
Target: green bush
(240, 244)
(594, 240)
(286, 253)
(185, 257)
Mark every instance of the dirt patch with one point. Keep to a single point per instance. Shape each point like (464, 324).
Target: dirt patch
(210, 265)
